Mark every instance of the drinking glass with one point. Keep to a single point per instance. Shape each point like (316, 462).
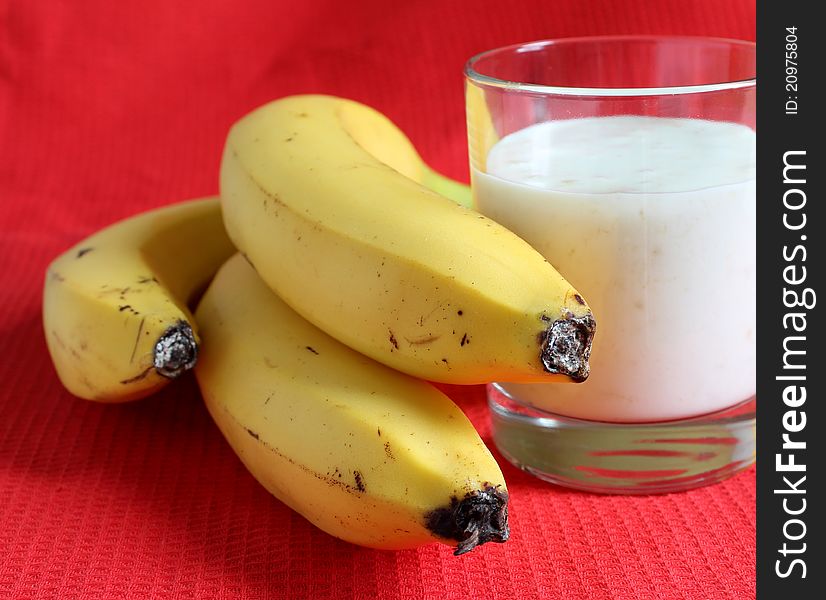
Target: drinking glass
(629, 163)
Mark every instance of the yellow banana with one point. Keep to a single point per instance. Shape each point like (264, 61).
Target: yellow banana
(115, 305)
(325, 197)
(368, 454)
(459, 192)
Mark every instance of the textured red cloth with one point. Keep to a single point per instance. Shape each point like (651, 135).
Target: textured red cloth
(108, 108)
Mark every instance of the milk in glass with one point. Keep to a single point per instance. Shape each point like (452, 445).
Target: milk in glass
(653, 220)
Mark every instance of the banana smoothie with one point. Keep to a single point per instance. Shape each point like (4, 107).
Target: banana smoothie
(653, 220)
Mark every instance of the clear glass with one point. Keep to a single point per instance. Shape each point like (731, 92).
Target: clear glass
(629, 163)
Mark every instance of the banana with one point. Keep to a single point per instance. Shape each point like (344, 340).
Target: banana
(365, 453)
(327, 199)
(459, 192)
(115, 305)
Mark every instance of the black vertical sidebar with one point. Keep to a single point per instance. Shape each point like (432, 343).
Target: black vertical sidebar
(791, 424)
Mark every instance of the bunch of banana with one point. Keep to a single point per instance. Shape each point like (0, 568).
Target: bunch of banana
(336, 213)
(323, 197)
(366, 453)
(115, 305)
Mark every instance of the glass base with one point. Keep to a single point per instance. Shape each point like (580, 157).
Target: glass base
(624, 458)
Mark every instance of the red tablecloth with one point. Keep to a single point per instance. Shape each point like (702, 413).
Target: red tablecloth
(108, 108)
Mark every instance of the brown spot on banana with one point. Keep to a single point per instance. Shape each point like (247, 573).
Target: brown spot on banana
(89, 385)
(359, 481)
(58, 340)
(128, 307)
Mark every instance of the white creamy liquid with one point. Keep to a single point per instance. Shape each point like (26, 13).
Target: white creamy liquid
(653, 221)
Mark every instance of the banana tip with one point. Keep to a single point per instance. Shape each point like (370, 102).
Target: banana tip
(566, 346)
(176, 350)
(480, 517)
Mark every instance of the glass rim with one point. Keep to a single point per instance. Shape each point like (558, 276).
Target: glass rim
(486, 80)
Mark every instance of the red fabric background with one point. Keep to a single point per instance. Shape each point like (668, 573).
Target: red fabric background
(108, 108)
